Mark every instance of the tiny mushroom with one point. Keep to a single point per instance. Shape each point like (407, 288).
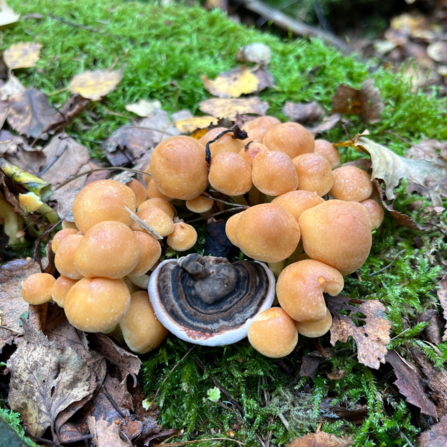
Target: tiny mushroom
(351, 184)
(210, 301)
(183, 237)
(36, 289)
(157, 219)
(252, 149)
(314, 173)
(60, 235)
(61, 288)
(375, 211)
(65, 257)
(157, 202)
(230, 228)
(314, 329)
(328, 151)
(290, 138)
(200, 204)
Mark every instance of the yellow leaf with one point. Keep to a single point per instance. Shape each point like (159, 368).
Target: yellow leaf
(232, 84)
(96, 84)
(22, 55)
(197, 122)
(229, 107)
(7, 14)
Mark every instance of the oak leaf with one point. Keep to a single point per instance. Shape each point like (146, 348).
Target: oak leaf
(22, 55)
(321, 439)
(230, 108)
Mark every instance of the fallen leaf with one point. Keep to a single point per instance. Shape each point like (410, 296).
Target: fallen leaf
(436, 436)
(22, 55)
(257, 53)
(309, 366)
(30, 113)
(356, 415)
(302, 112)
(198, 122)
(321, 439)
(336, 375)
(230, 108)
(442, 297)
(29, 161)
(438, 51)
(144, 108)
(410, 385)
(371, 338)
(10, 88)
(96, 84)
(105, 434)
(328, 123)
(433, 331)
(409, 22)
(366, 101)
(7, 14)
(45, 379)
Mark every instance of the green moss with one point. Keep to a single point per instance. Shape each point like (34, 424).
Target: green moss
(13, 419)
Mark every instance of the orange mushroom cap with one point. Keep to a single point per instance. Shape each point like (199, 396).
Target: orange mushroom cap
(375, 211)
(36, 289)
(351, 184)
(183, 237)
(296, 202)
(328, 151)
(65, 257)
(226, 143)
(60, 235)
(314, 329)
(290, 138)
(257, 128)
(150, 253)
(314, 173)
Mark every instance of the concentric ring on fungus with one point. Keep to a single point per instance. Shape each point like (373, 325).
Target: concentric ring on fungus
(210, 301)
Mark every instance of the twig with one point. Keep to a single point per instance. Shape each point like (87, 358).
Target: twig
(82, 438)
(114, 404)
(284, 421)
(68, 22)
(387, 266)
(320, 348)
(144, 225)
(36, 438)
(347, 133)
(398, 136)
(237, 205)
(12, 330)
(197, 441)
(406, 439)
(398, 335)
(230, 210)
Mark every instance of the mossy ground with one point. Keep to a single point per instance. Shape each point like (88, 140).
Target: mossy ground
(165, 50)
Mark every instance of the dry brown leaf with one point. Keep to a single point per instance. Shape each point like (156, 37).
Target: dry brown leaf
(22, 55)
(438, 51)
(230, 108)
(410, 385)
(436, 436)
(96, 84)
(12, 87)
(309, 366)
(442, 297)
(302, 112)
(433, 331)
(45, 379)
(105, 434)
(7, 14)
(321, 439)
(366, 101)
(372, 338)
(198, 122)
(144, 108)
(328, 123)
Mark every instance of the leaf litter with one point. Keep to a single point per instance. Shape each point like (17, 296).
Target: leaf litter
(22, 55)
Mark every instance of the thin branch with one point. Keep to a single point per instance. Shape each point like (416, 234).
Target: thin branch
(76, 25)
(216, 214)
(237, 205)
(398, 136)
(36, 438)
(144, 225)
(387, 266)
(12, 330)
(114, 404)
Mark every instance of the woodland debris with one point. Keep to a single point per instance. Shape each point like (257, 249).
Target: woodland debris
(144, 108)
(442, 297)
(105, 434)
(309, 365)
(436, 436)
(229, 108)
(302, 112)
(433, 330)
(7, 14)
(189, 125)
(321, 439)
(22, 55)
(258, 53)
(328, 123)
(12, 87)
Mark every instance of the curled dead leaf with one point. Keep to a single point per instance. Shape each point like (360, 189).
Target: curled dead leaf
(197, 122)
(302, 112)
(229, 108)
(328, 123)
(22, 55)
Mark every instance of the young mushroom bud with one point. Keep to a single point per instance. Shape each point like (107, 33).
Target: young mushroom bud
(36, 289)
(108, 250)
(61, 288)
(157, 219)
(375, 212)
(150, 253)
(290, 138)
(159, 203)
(230, 228)
(230, 174)
(226, 143)
(267, 233)
(141, 330)
(249, 153)
(328, 151)
(273, 333)
(183, 237)
(179, 168)
(351, 184)
(257, 128)
(139, 191)
(200, 204)
(65, 257)
(296, 202)
(338, 234)
(274, 173)
(154, 193)
(60, 236)
(102, 201)
(314, 329)
(300, 289)
(314, 172)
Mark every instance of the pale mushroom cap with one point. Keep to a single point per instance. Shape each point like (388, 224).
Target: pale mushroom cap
(154, 193)
(36, 289)
(314, 329)
(97, 304)
(230, 228)
(328, 151)
(267, 233)
(274, 173)
(351, 184)
(257, 128)
(150, 253)
(183, 237)
(61, 288)
(290, 138)
(141, 329)
(226, 143)
(296, 202)
(102, 201)
(30, 201)
(199, 204)
(60, 235)
(314, 173)
(254, 148)
(230, 174)
(139, 191)
(375, 211)
(300, 289)
(65, 257)
(108, 250)
(179, 168)
(273, 333)
(157, 202)
(157, 219)
(338, 234)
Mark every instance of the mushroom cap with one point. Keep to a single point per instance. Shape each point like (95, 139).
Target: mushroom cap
(109, 250)
(183, 237)
(314, 329)
(230, 174)
(300, 289)
(102, 201)
(226, 143)
(375, 211)
(338, 234)
(30, 201)
(351, 184)
(157, 202)
(65, 257)
(209, 301)
(200, 204)
(61, 288)
(157, 219)
(60, 235)
(273, 333)
(328, 151)
(67, 224)
(267, 232)
(274, 173)
(179, 168)
(250, 152)
(257, 128)
(296, 202)
(141, 330)
(230, 228)
(150, 253)
(314, 172)
(139, 191)
(36, 289)
(290, 138)
(154, 193)
(97, 304)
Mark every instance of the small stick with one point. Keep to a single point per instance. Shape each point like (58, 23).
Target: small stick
(12, 330)
(406, 439)
(387, 266)
(36, 438)
(398, 136)
(320, 348)
(67, 22)
(82, 438)
(218, 213)
(144, 225)
(114, 404)
(284, 421)
(197, 441)
(237, 205)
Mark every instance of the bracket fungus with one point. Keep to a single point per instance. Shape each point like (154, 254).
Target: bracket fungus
(210, 301)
